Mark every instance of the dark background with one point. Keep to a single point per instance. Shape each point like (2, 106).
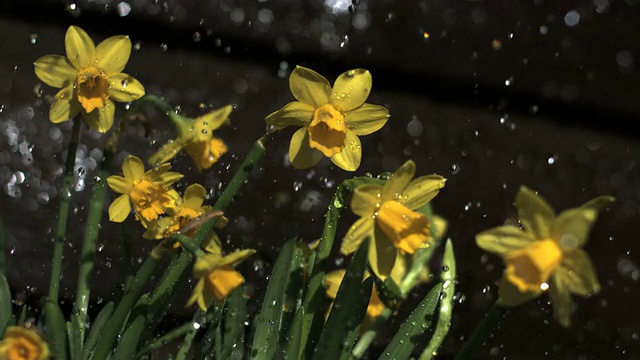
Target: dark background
(491, 95)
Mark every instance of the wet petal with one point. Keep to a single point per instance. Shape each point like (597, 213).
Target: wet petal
(366, 119)
(300, 154)
(600, 203)
(166, 152)
(422, 190)
(349, 158)
(194, 196)
(333, 280)
(170, 177)
(132, 168)
(309, 87)
(351, 89)
(293, 114)
(534, 212)
(236, 257)
(196, 296)
(382, 255)
(113, 54)
(80, 48)
(510, 296)
(101, 119)
(55, 70)
(212, 120)
(560, 300)
(502, 240)
(578, 274)
(65, 107)
(394, 187)
(120, 208)
(356, 234)
(119, 184)
(365, 199)
(125, 88)
(571, 228)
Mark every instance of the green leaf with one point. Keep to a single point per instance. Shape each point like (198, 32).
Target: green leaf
(73, 333)
(349, 308)
(389, 293)
(54, 329)
(128, 343)
(292, 351)
(235, 317)
(97, 328)
(213, 336)
(405, 340)
(5, 303)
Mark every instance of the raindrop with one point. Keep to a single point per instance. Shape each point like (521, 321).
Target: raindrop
(572, 18)
(33, 38)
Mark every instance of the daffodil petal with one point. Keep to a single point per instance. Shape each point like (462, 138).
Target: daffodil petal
(422, 190)
(309, 87)
(510, 296)
(349, 158)
(194, 195)
(534, 212)
(438, 227)
(236, 257)
(101, 119)
(166, 152)
(125, 88)
(356, 234)
(214, 245)
(394, 187)
(503, 239)
(333, 280)
(560, 300)
(157, 228)
(80, 48)
(196, 295)
(351, 89)
(119, 184)
(300, 154)
(382, 254)
(578, 274)
(400, 268)
(571, 227)
(120, 208)
(113, 54)
(213, 120)
(294, 113)
(366, 119)
(133, 167)
(55, 70)
(599, 203)
(170, 177)
(365, 199)
(64, 107)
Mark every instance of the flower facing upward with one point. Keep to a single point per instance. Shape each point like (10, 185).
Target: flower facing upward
(149, 192)
(331, 119)
(90, 77)
(547, 254)
(387, 216)
(196, 137)
(19, 343)
(216, 276)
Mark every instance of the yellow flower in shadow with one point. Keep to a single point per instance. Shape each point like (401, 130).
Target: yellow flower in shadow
(90, 77)
(331, 118)
(149, 192)
(216, 275)
(547, 254)
(387, 215)
(20, 343)
(196, 137)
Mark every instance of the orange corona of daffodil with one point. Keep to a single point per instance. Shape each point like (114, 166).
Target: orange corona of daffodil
(387, 215)
(331, 118)
(149, 192)
(547, 254)
(196, 137)
(20, 343)
(90, 77)
(216, 275)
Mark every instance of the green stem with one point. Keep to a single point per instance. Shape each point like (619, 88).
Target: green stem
(365, 339)
(170, 336)
(188, 339)
(188, 243)
(481, 332)
(63, 211)
(159, 103)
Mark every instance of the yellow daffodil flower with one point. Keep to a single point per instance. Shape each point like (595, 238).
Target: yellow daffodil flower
(216, 276)
(547, 254)
(331, 118)
(20, 343)
(149, 192)
(196, 137)
(90, 77)
(387, 215)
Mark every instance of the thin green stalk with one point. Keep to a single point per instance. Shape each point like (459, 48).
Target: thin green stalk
(2, 255)
(63, 211)
(188, 243)
(163, 340)
(188, 340)
(493, 317)
(365, 339)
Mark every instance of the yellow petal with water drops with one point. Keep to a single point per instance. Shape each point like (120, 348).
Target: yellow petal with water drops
(357, 234)
(206, 153)
(578, 274)
(155, 172)
(294, 113)
(157, 229)
(213, 244)
(212, 120)
(167, 152)
(101, 119)
(349, 158)
(408, 230)
(382, 255)
(196, 296)
(366, 199)
(300, 154)
(332, 282)
(170, 177)
(125, 88)
(309, 87)
(422, 190)
(534, 213)
(510, 296)
(133, 168)
(236, 257)
(64, 107)
(366, 119)
(560, 300)
(351, 89)
(120, 208)
(119, 184)
(55, 70)
(571, 227)
(194, 195)
(79, 47)
(113, 54)
(502, 240)
(398, 181)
